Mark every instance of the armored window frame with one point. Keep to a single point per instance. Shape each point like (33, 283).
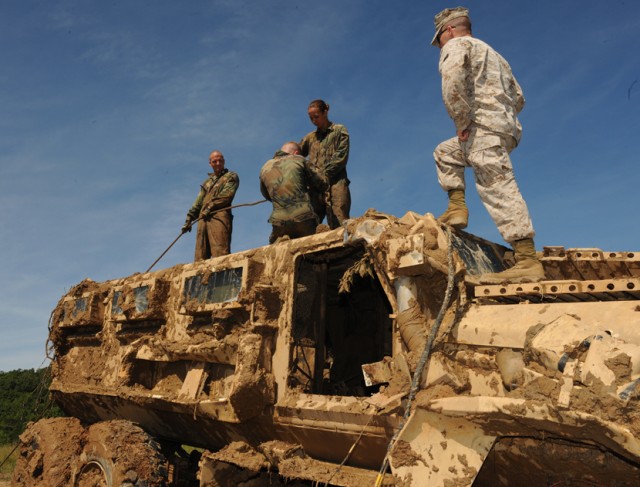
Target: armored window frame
(83, 310)
(196, 306)
(140, 313)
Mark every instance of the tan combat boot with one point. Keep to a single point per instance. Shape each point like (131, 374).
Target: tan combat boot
(528, 267)
(457, 214)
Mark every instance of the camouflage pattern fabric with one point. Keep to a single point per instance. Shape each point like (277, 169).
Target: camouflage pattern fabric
(478, 86)
(488, 154)
(293, 230)
(284, 181)
(482, 95)
(444, 17)
(328, 151)
(213, 238)
(340, 198)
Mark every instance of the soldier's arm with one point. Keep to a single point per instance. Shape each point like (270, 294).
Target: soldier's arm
(455, 69)
(226, 193)
(263, 190)
(315, 178)
(304, 146)
(519, 97)
(194, 211)
(341, 155)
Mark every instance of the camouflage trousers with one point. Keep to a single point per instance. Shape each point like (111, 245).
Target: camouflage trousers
(340, 203)
(487, 153)
(293, 229)
(213, 238)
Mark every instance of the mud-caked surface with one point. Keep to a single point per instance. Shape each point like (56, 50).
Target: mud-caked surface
(61, 452)
(189, 366)
(553, 462)
(278, 463)
(48, 453)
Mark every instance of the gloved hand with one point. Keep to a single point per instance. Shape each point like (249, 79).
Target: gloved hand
(187, 226)
(206, 213)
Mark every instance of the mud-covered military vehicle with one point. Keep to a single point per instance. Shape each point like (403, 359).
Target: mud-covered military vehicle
(359, 356)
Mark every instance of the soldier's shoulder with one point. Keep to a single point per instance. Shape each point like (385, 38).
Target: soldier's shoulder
(463, 43)
(296, 158)
(471, 44)
(309, 137)
(209, 181)
(232, 175)
(289, 162)
(268, 165)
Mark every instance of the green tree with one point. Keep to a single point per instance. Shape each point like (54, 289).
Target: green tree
(24, 397)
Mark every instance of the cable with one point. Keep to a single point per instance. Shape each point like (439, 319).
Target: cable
(353, 447)
(422, 363)
(37, 391)
(197, 219)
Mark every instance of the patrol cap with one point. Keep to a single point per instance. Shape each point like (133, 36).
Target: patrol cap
(446, 16)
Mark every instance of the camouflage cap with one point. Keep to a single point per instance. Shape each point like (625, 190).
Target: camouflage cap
(446, 16)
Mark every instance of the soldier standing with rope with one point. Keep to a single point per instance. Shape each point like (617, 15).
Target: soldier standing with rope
(213, 238)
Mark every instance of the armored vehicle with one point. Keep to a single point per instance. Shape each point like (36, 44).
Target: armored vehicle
(365, 355)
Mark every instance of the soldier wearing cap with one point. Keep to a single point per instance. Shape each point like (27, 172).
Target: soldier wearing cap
(483, 98)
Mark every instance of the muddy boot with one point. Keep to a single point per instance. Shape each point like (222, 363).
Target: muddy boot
(457, 214)
(528, 267)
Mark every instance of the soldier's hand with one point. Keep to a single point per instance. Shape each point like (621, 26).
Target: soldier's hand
(186, 227)
(206, 213)
(463, 135)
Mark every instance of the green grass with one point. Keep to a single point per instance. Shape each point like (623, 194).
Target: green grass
(7, 469)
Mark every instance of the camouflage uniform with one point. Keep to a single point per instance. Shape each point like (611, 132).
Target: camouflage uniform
(213, 238)
(482, 95)
(284, 181)
(328, 151)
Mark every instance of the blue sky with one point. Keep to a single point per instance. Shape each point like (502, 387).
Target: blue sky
(110, 109)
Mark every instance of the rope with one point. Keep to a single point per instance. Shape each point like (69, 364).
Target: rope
(49, 354)
(10, 453)
(422, 363)
(198, 219)
(346, 458)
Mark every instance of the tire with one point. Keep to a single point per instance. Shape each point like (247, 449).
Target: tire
(119, 454)
(48, 451)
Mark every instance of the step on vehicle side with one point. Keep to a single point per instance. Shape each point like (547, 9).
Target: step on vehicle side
(293, 364)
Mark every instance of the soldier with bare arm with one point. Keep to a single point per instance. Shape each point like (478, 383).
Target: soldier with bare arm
(328, 150)
(483, 98)
(213, 238)
(284, 180)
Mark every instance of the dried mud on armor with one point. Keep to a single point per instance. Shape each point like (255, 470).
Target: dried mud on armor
(317, 359)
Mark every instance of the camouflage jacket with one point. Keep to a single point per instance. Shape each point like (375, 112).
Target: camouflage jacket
(478, 86)
(284, 181)
(215, 192)
(328, 150)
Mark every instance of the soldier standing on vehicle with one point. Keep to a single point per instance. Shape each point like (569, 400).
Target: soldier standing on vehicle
(328, 150)
(284, 180)
(483, 98)
(213, 238)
